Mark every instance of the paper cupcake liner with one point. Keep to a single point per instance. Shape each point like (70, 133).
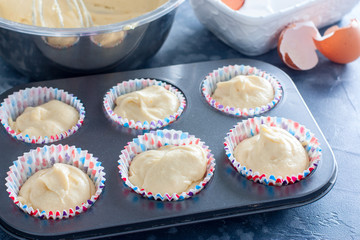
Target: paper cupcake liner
(161, 206)
(46, 157)
(135, 85)
(155, 140)
(16, 103)
(251, 127)
(208, 87)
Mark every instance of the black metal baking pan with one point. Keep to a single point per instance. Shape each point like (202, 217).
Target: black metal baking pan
(121, 211)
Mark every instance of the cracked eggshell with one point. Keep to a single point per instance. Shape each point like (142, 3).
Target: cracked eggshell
(234, 4)
(340, 45)
(296, 46)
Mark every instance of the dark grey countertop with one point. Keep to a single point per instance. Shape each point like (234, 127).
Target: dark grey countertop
(331, 92)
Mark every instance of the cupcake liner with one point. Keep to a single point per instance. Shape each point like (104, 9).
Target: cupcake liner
(161, 206)
(155, 140)
(223, 74)
(46, 157)
(135, 85)
(251, 127)
(16, 103)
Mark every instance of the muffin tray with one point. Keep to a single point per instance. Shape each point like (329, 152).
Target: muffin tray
(119, 210)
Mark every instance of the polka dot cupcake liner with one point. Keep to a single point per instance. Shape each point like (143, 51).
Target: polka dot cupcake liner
(15, 104)
(251, 127)
(226, 73)
(45, 157)
(135, 85)
(154, 140)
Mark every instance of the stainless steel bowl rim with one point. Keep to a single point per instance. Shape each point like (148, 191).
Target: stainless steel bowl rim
(115, 27)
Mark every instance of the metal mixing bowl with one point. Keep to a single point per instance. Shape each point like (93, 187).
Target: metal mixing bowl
(45, 53)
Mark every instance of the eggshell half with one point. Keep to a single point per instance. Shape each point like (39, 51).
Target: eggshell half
(341, 45)
(296, 46)
(234, 4)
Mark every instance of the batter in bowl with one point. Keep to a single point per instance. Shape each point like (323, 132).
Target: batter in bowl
(74, 13)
